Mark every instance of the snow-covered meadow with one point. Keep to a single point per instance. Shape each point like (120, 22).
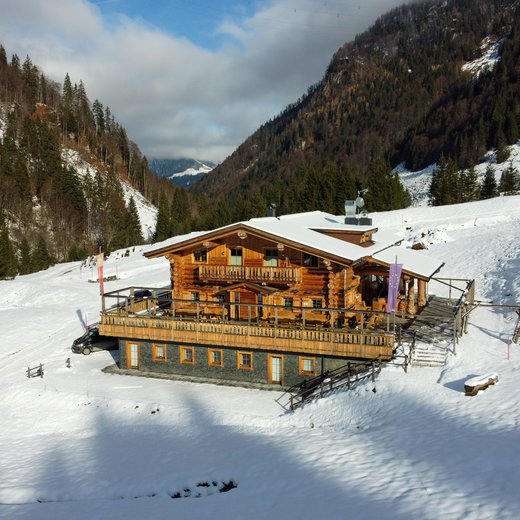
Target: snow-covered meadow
(82, 444)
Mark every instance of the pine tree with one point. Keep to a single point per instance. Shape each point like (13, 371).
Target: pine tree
(488, 189)
(445, 184)
(67, 106)
(8, 267)
(470, 185)
(25, 259)
(163, 222)
(15, 62)
(133, 224)
(509, 183)
(99, 117)
(41, 259)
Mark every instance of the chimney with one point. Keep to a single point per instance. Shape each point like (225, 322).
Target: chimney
(271, 211)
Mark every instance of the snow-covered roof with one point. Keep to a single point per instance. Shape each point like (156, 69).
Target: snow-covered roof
(413, 261)
(308, 230)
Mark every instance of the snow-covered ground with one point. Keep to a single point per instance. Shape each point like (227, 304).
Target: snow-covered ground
(490, 55)
(418, 183)
(82, 444)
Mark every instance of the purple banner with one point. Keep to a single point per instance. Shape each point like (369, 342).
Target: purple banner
(394, 276)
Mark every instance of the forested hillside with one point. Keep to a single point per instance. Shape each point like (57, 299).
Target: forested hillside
(401, 92)
(49, 210)
(397, 93)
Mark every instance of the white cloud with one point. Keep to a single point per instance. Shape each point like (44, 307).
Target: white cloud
(176, 98)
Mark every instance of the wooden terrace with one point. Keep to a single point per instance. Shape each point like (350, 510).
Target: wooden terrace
(328, 332)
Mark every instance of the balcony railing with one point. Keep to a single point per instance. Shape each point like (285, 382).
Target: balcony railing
(158, 317)
(331, 342)
(253, 274)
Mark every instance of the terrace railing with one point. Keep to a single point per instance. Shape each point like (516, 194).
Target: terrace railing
(246, 273)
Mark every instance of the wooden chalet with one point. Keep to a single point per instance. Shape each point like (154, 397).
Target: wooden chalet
(271, 301)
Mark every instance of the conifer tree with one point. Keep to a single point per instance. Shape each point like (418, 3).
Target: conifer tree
(509, 183)
(470, 185)
(67, 106)
(99, 116)
(8, 267)
(444, 187)
(163, 222)
(15, 62)
(180, 212)
(133, 224)
(41, 259)
(488, 189)
(25, 259)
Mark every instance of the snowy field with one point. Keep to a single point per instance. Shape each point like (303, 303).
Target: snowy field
(81, 444)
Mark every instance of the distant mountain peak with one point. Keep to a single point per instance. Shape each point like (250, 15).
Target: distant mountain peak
(181, 172)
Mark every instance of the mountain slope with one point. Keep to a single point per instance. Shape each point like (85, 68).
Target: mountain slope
(71, 182)
(385, 96)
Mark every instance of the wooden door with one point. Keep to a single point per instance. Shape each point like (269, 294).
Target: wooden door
(132, 355)
(275, 368)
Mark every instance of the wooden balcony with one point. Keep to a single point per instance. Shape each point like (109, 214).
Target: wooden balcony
(261, 336)
(230, 273)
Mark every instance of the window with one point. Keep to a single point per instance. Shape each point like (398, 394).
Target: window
(310, 260)
(235, 256)
(195, 296)
(317, 303)
(221, 298)
(271, 257)
(187, 355)
(307, 366)
(245, 360)
(200, 256)
(215, 358)
(288, 302)
(159, 352)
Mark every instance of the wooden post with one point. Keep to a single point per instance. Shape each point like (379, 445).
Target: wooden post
(454, 334)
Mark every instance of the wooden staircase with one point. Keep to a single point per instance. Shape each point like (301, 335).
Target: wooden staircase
(432, 331)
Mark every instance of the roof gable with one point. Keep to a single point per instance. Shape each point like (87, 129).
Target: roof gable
(308, 232)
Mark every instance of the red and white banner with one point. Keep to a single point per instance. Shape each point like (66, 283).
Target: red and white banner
(99, 260)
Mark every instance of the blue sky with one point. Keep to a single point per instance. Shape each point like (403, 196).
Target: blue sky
(195, 20)
(187, 78)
